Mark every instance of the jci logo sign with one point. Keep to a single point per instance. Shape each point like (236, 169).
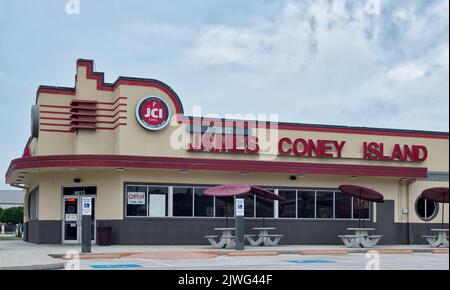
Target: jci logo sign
(152, 113)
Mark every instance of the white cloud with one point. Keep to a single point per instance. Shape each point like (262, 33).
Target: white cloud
(405, 72)
(336, 62)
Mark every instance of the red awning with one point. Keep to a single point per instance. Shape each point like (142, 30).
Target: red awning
(436, 194)
(362, 192)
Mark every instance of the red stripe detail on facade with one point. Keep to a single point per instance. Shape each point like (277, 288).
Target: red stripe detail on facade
(294, 127)
(50, 124)
(143, 83)
(57, 91)
(146, 162)
(58, 119)
(54, 112)
(58, 131)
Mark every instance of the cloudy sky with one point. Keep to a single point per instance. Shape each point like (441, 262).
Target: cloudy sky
(373, 63)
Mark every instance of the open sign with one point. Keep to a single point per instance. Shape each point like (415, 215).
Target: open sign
(136, 198)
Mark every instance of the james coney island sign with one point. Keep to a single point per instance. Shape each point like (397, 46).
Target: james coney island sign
(217, 140)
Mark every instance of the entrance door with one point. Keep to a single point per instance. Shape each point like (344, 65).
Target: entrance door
(72, 219)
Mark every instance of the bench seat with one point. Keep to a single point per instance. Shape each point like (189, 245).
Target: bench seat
(211, 237)
(272, 236)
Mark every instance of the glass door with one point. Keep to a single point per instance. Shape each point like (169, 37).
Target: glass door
(72, 217)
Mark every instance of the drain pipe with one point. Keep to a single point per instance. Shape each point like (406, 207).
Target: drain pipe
(406, 182)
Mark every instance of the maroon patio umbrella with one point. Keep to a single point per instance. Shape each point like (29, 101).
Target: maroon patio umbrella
(437, 194)
(362, 193)
(240, 189)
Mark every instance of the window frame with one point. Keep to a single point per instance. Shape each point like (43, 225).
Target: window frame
(33, 192)
(430, 218)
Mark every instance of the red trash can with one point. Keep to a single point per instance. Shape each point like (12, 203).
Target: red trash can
(104, 236)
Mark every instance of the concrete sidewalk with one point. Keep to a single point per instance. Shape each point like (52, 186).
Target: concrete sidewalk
(22, 255)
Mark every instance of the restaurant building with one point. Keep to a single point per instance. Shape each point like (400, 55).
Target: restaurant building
(130, 147)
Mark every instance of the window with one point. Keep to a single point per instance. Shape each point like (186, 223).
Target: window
(182, 201)
(343, 205)
(203, 204)
(306, 204)
(286, 208)
(264, 206)
(224, 206)
(33, 205)
(360, 208)
(249, 205)
(157, 201)
(136, 200)
(426, 209)
(324, 201)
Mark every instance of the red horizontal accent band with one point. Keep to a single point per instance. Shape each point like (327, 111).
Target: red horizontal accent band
(57, 91)
(84, 114)
(51, 118)
(59, 131)
(76, 127)
(83, 102)
(148, 162)
(83, 108)
(54, 112)
(294, 127)
(51, 124)
(54, 106)
(133, 82)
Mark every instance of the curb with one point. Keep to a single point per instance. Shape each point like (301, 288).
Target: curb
(53, 266)
(248, 253)
(439, 251)
(252, 254)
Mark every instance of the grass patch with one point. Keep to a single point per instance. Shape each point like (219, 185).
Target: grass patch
(9, 238)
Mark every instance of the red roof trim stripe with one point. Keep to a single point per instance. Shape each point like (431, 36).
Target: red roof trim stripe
(127, 161)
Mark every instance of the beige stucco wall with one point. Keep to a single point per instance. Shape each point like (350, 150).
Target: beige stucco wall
(132, 139)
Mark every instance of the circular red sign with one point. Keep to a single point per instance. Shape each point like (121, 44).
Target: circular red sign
(152, 113)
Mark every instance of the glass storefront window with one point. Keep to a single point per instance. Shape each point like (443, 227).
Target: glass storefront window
(224, 206)
(343, 205)
(360, 208)
(33, 205)
(286, 208)
(306, 204)
(203, 204)
(249, 206)
(189, 201)
(324, 201)
(264, 207)
(136, 197)
(157, 201)
(182, 201)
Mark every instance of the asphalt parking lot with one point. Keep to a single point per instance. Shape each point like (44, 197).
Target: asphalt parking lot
(417, 261)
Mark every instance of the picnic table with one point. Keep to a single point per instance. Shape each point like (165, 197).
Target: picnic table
(264, 238)
(360, 238)
(440, 239)
(225, 240)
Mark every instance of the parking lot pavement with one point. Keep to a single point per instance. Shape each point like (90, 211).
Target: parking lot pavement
(419, 261)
